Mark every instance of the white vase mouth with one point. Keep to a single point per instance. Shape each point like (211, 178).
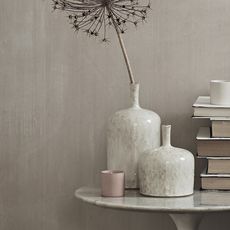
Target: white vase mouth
(166, 135)
(220, 81)
(166, 126)
(112, 172)
(134, 95)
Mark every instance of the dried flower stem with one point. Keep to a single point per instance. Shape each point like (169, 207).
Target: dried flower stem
(127, 62)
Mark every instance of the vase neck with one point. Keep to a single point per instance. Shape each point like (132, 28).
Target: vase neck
(134, 95)
(166, 135)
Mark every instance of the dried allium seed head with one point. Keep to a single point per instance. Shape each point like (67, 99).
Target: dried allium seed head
(93, 16)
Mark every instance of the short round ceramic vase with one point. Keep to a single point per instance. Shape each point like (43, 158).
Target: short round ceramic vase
(166, 171)
(130, 132)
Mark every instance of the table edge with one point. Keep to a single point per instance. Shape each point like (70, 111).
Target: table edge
(102, 204)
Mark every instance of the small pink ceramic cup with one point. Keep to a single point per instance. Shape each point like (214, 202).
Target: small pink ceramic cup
(112, 183)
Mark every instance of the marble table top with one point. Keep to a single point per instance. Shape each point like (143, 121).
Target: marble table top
(200, 201)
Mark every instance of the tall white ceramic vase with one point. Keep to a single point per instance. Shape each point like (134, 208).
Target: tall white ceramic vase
(130, 132)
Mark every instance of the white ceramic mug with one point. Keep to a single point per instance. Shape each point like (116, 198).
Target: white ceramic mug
(220, 92)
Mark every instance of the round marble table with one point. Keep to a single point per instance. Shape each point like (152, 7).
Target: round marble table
(186, 212)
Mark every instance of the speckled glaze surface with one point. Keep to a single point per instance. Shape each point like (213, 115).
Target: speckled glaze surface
(166, 171)
(130, 132)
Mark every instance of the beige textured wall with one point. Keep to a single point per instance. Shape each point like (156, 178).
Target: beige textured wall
(57, 91)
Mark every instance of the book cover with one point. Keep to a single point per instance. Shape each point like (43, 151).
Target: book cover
(215, 181)
(220, 128)
(219, 165)
(211, 146)
(203, 108)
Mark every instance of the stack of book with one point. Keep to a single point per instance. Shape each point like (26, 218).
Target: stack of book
(213, 144)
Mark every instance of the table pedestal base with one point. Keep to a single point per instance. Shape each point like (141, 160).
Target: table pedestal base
(186, 221)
